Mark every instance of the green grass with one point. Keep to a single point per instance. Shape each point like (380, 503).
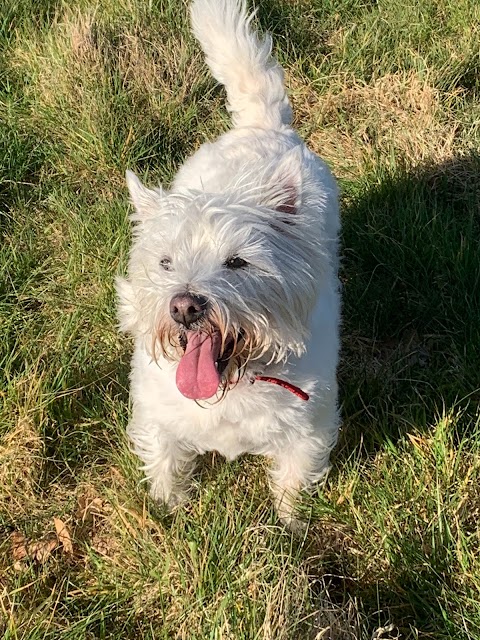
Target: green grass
(388, 93)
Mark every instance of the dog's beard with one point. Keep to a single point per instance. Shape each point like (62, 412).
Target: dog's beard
(212, 357)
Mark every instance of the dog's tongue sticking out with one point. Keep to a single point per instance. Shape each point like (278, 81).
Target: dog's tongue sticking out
(197, 375)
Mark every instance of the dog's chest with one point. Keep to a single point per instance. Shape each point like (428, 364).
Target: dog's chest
(230, 440)
(232, 428)
(250, 419)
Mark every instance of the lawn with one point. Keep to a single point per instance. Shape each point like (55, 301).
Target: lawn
(388, 92)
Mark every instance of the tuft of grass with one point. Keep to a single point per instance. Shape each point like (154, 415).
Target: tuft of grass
(388, 94)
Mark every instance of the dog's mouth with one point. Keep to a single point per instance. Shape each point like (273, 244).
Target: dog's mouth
(199, 372)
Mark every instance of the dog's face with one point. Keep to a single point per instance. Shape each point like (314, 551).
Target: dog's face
(220, 282)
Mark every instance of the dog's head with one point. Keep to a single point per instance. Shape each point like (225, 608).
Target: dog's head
(218, 282)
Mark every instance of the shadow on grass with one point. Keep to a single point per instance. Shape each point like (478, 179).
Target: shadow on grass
(412, 599)
(411, 295)
(295, 27)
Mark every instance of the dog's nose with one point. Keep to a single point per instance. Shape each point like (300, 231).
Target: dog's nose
(187, 308)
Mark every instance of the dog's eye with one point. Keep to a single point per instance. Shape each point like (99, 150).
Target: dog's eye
(235, 263)
(166, 264)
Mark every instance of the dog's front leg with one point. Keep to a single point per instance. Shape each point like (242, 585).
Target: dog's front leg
(287, 477)
(295, 467)
(169, 476)
(167, 465)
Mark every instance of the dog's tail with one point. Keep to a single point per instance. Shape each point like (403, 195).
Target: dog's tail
(241, 61)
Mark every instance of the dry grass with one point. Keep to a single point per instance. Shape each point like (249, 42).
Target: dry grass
(398, 119)
(21, 461)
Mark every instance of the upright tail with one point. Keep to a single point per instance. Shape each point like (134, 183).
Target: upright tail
(241, 61)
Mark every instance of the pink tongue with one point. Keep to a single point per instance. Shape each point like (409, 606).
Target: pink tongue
(197, 376)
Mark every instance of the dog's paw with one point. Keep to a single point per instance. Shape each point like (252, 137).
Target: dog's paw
(294, 524)
(177, 499)
(170, 497)
(285, 502)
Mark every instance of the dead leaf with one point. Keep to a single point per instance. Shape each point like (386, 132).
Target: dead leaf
(101, 546)
(63, 535)
(42, 549)
(88, 508)
(19, 549)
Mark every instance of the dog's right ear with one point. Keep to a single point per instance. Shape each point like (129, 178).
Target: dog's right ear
(146, 201)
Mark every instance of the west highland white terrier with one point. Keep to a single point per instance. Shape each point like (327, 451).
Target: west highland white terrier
(232, 293)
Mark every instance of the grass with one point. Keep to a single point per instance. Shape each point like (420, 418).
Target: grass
(388, 93)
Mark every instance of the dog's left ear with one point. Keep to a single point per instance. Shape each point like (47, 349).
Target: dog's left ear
(146, 201)
(284, 185)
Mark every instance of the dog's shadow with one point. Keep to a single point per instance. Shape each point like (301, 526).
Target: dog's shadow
(411, 302)
(410, 334)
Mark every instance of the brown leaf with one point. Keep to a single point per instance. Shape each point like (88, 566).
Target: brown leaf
(19, 549)
(42, 549)
(101, 546)
(63, 535)
(88, 508)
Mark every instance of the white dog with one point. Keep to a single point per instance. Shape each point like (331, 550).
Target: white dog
(232, 292)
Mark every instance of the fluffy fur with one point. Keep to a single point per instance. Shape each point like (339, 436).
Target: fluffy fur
(249, 227)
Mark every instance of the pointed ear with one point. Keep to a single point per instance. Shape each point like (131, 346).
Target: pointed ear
(284, 185)
(144, 200)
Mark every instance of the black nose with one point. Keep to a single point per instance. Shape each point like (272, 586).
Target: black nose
(187, 308)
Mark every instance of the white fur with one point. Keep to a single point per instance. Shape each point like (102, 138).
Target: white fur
(229, 199)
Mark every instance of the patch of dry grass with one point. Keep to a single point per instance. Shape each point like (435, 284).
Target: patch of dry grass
(398, 119)
(21, 461)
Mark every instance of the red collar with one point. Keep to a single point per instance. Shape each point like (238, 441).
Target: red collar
(286, 385)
